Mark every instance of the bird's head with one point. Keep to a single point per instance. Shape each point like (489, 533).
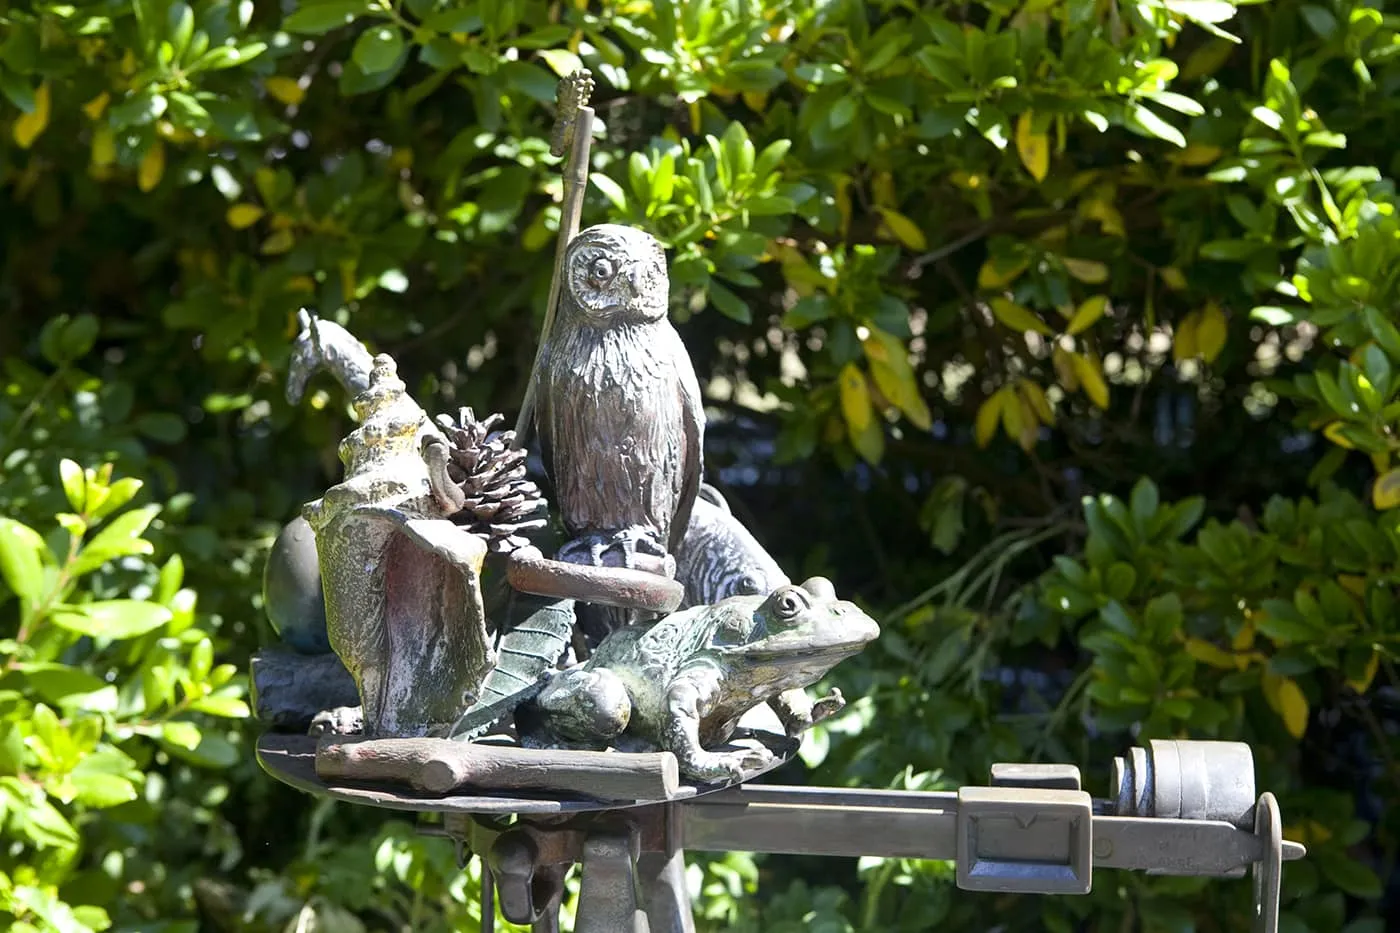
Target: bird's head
(617, 275)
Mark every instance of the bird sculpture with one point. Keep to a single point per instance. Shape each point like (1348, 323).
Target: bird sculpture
(619, 413)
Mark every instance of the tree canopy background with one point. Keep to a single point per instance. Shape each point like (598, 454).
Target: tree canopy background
(1060, 334)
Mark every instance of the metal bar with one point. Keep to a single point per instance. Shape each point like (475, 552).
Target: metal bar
(488, 899)
(794, 795)
(885, 832)
(1173, 847)
(903, 824)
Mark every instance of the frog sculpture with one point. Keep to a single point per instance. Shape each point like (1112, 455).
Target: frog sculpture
(683, 683)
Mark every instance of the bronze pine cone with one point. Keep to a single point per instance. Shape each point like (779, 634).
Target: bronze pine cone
(501, 504)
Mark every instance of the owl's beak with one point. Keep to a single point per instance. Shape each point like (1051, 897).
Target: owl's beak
(634, 282)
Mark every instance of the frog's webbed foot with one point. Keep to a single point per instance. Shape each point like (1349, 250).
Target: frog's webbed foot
(684, 704)
(343, 720)
(798, 712)
(724, 767)
(828, 706)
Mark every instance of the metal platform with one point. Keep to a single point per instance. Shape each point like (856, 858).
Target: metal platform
(1183, 808)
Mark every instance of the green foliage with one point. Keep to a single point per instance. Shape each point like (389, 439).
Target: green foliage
(970, 262)
(98, 688)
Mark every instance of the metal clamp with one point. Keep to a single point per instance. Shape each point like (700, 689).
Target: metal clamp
(1025, 840)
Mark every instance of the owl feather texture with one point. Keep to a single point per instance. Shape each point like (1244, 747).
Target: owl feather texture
(620, 419)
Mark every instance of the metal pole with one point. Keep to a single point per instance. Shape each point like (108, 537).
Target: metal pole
(573, 133)
(488, 899)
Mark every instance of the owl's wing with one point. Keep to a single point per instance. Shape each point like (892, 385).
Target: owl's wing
(693, 446)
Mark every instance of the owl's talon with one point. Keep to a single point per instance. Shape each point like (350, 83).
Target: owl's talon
(586, 549)
(629, 542)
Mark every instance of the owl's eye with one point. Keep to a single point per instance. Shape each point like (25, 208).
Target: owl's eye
(601, 270)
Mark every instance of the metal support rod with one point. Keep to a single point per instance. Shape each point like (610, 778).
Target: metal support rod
(661, 878)
(488, 899)
(607, 897)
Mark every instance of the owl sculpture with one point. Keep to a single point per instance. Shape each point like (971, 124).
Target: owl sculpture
(619, 413)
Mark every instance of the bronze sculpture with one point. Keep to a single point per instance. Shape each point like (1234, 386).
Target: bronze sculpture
(454, 680)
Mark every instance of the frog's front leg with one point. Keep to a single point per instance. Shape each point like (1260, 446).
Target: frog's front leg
(798, 712)
(686, 701)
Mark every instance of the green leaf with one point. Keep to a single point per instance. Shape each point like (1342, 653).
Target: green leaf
(224, 181)
(1163, 616)
(561, 61)
(213, 751)
(118, 495)
(1349, 875)
(729, 304)
(101, 790)
(1144, 500)
(21, 559)
(378, 48)
(317, 18)
(1384, 331)
(55, 683)
(162, 426)
(843, 112)
(1150, 124)
(180, 734)
(1183, 516)
(770, 158)
(1178, 102)
(74, 483)
(113, 618)
(180, 27)
(1017, 317)
(42, 824)
(11, 754)
(1269, 118)
(228, 56)
(121, 538)
(1087, 314)
(1272, 315)
(463, 19)
(1281, 621)
(807, 311)
(17, 90)
(226, 706)
(611, 190)
(172, 575)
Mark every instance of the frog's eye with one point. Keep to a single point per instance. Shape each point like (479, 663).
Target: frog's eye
(789, 603)
(602, 270)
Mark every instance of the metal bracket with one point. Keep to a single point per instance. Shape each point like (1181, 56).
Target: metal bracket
(1025, 840)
